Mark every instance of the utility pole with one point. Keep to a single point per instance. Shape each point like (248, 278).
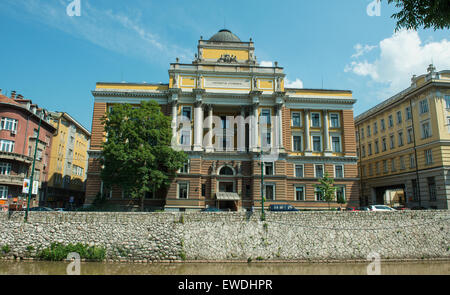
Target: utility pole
(32, 169)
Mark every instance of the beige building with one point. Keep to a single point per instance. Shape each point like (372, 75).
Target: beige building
(403, 145)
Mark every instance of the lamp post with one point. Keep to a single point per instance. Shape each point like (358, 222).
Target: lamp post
(32, 170)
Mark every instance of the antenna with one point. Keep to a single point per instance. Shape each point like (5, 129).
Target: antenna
(322, 81)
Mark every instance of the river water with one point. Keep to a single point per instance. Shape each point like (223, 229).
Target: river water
(258, 268)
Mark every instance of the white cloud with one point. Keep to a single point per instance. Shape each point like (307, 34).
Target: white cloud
(293, 84)
(401, 56)
(266, 64)
(120, 32)
(361, 50)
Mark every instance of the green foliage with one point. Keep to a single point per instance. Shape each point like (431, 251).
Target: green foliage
(326, 188)
(414, 14)
(59, 252)
(6, 249)
(259, 258)
(137, 155)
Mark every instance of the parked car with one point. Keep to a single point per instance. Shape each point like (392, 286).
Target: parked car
(400, 208)
(60, 209)
(211, 209)
(40, 209)
(351, 209)
(363, 208)
(418, 208)
(282, 207)
(380, 208)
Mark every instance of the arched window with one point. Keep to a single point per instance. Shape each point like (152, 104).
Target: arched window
(226, 171)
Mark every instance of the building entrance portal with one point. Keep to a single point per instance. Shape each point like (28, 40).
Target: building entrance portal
(226, 187)
(393, 196)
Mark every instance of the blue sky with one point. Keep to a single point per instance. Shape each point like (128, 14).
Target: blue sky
(55, 59)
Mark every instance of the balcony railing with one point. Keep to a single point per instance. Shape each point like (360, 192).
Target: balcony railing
(12, 179)
(15, 157)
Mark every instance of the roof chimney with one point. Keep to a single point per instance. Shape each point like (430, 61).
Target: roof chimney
(19, 96)
(13, 94)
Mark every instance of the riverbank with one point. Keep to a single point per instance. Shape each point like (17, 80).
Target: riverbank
(233, 268)
(236, 237)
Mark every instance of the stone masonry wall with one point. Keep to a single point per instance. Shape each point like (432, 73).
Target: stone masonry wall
(165, 236)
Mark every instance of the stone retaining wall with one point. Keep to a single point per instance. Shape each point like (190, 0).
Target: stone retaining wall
(165, 236)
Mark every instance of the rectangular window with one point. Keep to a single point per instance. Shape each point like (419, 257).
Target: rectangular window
(265, 116)
(415, 189)
(297, 143)
(5, 168)
(318, 194)
(338, 171)
(362, 133)
(431, 188)
(393, 168)
(368, 130)
(385, 167)
(318, 171)
(183, 190)
(336, 144)
(270, 192)
(391, 121)
(377, 167)
(369, 149)
(408, 113)
(402, 163)
(3, 192)
(315, 119)
(334, 121)
(6, 146)
(375, 127)
(268, 168)
(409, 135)
(185, 138)
(392, 143)
(299, 193)
(377, 148)
(203, 190)
(447, 101)
(412, 161)
(400, 138)
(8, 124)
(383, 144)
(423, 106)
(428, 157)
(317, 143)
(340, 193)
(399, 117)
(296, 120)
(383, 126)
(299, 170)
(426, 132)
(185, 168)
(363, 151)
(186, 112)
(370, 169)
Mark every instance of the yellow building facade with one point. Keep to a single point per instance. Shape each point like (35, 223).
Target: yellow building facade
(404, 144)
(68, 164)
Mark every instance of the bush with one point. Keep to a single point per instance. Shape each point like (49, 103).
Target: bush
(6, 249)
(59, 252)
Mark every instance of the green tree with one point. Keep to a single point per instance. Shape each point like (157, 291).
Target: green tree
(137, 155)
(417, 13)
(326, 188)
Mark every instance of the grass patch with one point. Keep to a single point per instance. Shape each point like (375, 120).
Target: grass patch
(59, 252)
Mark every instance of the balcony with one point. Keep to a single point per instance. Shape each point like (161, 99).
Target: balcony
(15, 157)
(12, 179)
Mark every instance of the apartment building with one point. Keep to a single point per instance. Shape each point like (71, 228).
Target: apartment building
(404, 145)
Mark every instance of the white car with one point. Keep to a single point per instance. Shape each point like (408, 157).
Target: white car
(380, 208)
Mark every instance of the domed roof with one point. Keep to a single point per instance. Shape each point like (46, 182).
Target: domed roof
(225, 35)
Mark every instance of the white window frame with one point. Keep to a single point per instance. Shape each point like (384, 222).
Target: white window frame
(300, 119)
(5, 168)
(188, 164)
(261, 114)
(429, 132)
(408, 113)
(340, 142)
(423, 106)
(187, 189)
(317, 190)
(274, 191)
(338, 120)
(342, 166)
(320, 120)
(391, 121)
(321, 142)
(7, 143)
(428, 157)
(295, 192)
(315, 170)
(409, 135)
(273, 168)
(8, 121)
(303, 170)
(343, 191)
(190, 108)
(301, 142)
(3, 192)
(399, 117)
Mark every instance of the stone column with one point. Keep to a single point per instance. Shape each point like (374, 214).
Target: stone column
(241, 132)
(326, 140)
(198, 126)
(254, 129)
(280, 145)
(174, 122)
(209, 135)
(307, 146)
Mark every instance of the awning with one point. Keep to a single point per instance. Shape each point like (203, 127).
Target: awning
(221, 196)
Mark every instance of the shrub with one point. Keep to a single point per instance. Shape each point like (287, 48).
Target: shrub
(6, 249)
(59, 252)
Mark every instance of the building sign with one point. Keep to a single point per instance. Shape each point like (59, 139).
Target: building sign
(26, 186)
(34, 191)
(240, 83)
